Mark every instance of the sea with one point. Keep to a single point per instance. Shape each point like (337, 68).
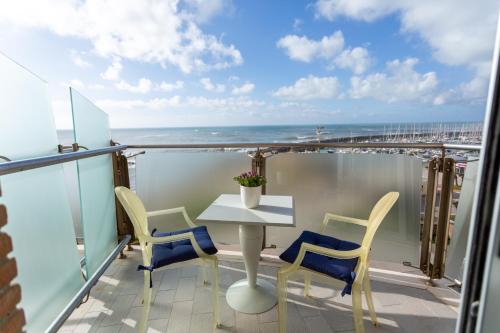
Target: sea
(270, 134)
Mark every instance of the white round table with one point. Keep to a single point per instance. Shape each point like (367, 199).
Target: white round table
(251, 295)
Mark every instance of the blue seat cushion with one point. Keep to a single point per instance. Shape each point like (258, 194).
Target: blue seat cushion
(341, 269)
(169, 253)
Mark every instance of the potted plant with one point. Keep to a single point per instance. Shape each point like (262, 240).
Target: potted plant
(250, 188)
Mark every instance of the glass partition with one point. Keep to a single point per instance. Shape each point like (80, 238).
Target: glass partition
(343, 183)
(97, 199)
(71, 181)
(40, 222)
(460, 228)
(350, 184)
(190, 179)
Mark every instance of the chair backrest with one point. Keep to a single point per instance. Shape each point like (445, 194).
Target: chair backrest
(135, 210)
(377, 215)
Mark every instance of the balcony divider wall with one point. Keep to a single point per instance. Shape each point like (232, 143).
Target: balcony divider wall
(95, 179)
(40, 222)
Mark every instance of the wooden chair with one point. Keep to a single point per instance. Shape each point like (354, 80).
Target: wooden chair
(314, 253)
(159, 250)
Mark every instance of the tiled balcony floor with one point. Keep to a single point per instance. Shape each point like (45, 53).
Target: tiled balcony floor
(404, 303)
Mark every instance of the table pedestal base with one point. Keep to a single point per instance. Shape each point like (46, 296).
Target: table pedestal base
(243, 298)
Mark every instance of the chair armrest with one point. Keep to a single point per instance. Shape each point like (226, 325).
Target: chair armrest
(339, 218)
(173, 211)
(173, 238)
(307, 247)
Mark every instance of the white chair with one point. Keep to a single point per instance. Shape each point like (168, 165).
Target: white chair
(159, 250)
(335, 259)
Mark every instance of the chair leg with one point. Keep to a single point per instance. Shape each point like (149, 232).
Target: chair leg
(357, 309)
(307, 283)
(369, 300)
(282, 315)
(146, 301)
(205, 274)
(215, 293)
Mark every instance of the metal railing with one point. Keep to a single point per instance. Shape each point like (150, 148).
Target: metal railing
(39, 162)
(16, 166)
(85, 289)
(382, 145)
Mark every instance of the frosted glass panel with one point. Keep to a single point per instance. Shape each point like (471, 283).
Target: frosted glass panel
(40, 220)
(97, 199)
(350, 184)
(193, 180)
(71, 181)
(456, 251)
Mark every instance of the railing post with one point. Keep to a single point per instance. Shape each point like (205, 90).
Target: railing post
(444, 218)
(438, 235)
(121, 178)
(12, 318)
(430, 208)
(259, 167)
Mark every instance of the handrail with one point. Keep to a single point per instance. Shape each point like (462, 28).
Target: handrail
(310, 145)
(77, 299)
(39, 162)
(461, 147)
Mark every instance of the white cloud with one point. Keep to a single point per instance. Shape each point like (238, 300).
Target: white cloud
(78, 84)
(75, 83)
(310, 87)
(460, 32)
(401, 83)
(329, 48)
(292, 106)
(141, 104)
(208, 85)
(205, 10)
(304, 49)
(167, 87)
(362, 10)
(78, 60)
(199, 102)
(114, 70)
(155, 31)
(245, 88)
(467, 92)
(226, 104)
(357, 59)
(143, 86)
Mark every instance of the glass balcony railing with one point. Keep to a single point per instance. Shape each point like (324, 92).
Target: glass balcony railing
(347, 184)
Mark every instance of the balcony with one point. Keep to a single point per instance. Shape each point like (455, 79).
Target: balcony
(69, 193)
(404, 301)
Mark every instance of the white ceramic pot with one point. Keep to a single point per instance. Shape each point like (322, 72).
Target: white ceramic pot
(250, 196)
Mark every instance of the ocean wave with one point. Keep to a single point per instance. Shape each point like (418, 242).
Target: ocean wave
(153, 136)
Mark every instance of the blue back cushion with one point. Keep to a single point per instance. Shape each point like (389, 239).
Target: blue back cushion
(341, 269)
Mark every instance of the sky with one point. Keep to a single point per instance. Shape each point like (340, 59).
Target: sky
(167, 63)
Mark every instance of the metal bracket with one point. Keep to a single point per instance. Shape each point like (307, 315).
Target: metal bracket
(74, 147)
